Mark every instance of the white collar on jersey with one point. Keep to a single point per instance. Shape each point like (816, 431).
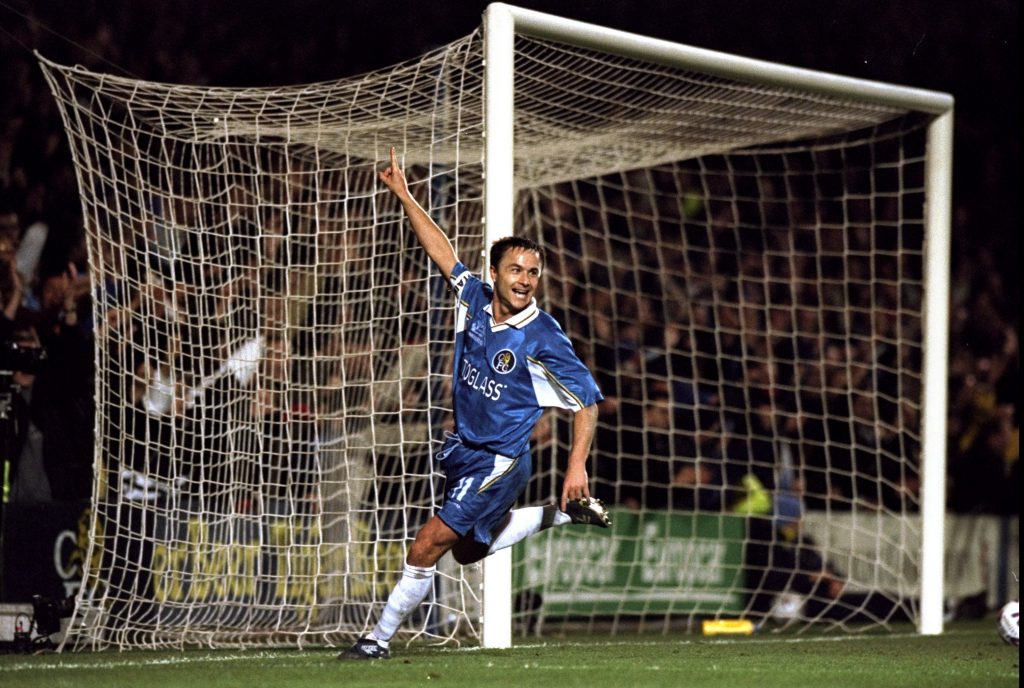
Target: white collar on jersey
(520, 319)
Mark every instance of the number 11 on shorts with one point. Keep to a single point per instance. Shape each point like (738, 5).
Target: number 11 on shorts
(461, 488)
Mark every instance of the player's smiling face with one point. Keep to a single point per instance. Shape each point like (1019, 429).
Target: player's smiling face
(515, 282)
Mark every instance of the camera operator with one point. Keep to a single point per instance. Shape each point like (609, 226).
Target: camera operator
(46, 379)
(20, 359)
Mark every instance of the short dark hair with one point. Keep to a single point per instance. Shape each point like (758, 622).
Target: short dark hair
(500, 247)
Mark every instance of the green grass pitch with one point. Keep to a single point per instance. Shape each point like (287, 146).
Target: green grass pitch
(967, 654)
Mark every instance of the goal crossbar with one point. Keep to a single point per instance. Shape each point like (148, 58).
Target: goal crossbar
(573, 32)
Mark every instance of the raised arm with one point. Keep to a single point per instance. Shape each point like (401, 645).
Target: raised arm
(431, 237)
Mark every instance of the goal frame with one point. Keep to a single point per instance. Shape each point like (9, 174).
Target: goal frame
(503, 22)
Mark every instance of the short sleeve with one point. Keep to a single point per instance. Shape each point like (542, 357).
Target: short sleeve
(459, 278)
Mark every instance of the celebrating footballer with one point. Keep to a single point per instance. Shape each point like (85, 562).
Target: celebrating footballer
(512, 360)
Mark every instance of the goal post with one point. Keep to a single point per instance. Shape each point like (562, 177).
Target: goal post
(752, 258)
(938, 224)
(499, 219)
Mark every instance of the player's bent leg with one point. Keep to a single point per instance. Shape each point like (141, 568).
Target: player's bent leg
(517, 525)
(522, 523)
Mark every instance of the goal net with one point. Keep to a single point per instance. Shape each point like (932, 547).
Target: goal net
(741, 261)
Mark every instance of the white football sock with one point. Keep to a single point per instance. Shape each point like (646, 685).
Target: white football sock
(411, 590)
(525, 522)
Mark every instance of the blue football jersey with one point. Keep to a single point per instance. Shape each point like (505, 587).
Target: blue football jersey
(506, 374)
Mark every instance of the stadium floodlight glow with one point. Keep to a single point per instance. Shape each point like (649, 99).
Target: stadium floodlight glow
(275, 363)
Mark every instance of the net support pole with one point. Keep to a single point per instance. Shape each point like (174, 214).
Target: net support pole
(499, 213)
(936, 362)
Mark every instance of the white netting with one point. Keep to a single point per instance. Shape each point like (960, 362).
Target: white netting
(755, 320)
(740, 264)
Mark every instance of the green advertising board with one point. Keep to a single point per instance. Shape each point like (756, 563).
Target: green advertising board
(655, 562)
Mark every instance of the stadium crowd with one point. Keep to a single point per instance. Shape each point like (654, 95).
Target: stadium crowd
(703, 435)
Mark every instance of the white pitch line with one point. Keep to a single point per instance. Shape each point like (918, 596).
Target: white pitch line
(746, 640)
(123, 663)
(263, 654)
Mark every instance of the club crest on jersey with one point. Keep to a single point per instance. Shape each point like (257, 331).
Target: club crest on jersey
(503, 362)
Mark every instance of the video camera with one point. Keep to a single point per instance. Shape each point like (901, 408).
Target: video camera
(17, 358)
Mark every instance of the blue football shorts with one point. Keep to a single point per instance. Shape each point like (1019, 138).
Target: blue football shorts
(480, 488)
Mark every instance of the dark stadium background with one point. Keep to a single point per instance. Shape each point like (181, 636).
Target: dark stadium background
(969, 49)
